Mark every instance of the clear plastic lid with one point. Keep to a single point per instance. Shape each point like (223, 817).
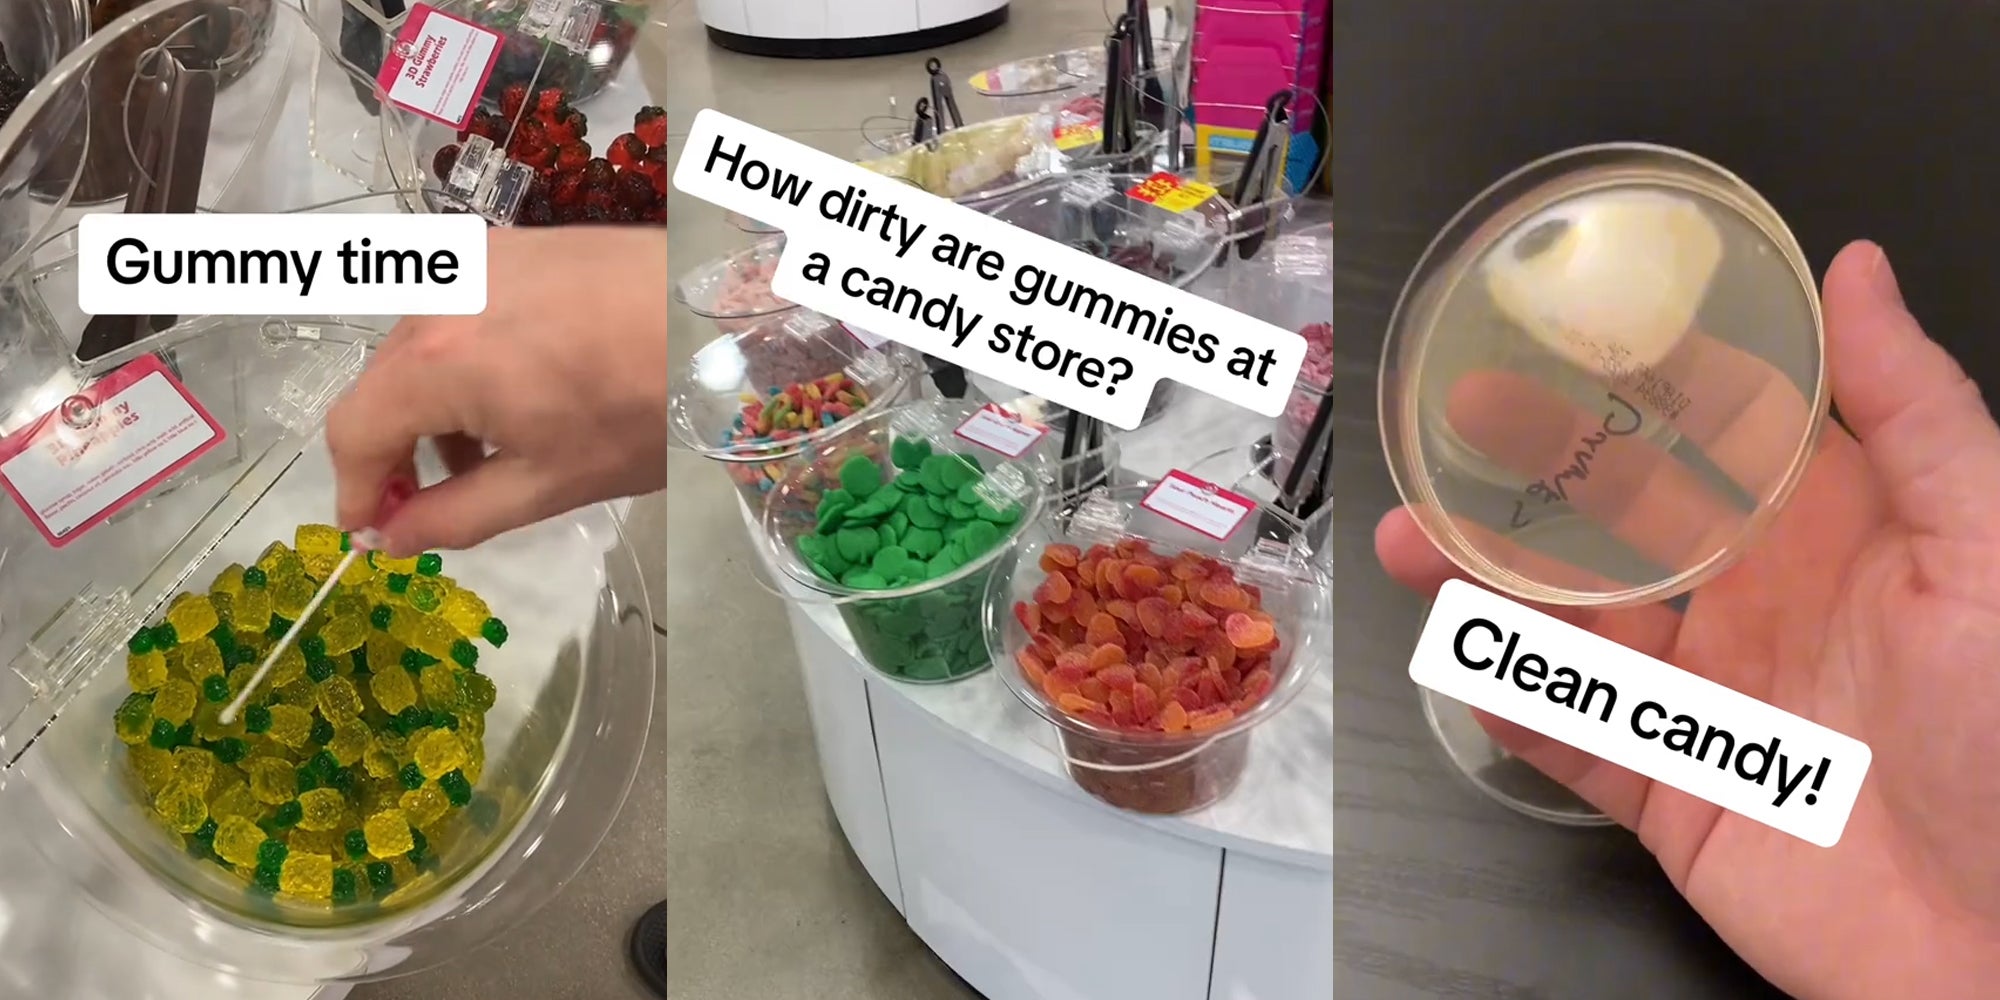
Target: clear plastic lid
(735, 286)
(1049, 73)
(793, 379)
(1623, 341)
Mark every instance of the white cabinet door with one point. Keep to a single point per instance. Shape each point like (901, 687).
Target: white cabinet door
(1274, 934)
(837, 700)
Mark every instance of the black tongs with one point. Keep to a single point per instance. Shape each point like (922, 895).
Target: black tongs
(1152, 106)
(1121, 91)
(1261, 176)
(173, 104)
(923, 128)
(943, 104)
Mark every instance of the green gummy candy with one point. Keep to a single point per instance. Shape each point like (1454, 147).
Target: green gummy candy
(910, 482)
(898, 522)
(923, 542)
(988, 512)
(866, 580)
(980, 536)
(812, 548)
(946, 561)
(860, 476)
(886, 534)
(857, 544)
(889, 560)
(937, 504)
(928, 668)
(958, 511)
(968, 494)
(934, 475)
(909, 453)
(922, 515)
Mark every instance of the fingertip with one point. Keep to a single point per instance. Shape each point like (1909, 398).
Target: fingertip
(1408, 555)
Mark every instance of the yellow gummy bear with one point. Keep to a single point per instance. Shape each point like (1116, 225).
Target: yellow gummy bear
(322, 809)
(291, 725)
(307, 876)
(182, 808)
(229, 581)
(291, 594)
(175, 702)
(388, 834)
(237, 840)
(439, 682)
(298, 692)
(425, 806)
(337, 699)
(304, 841)
(358, 573)
(475, 759)
(343, 634)
(439, 753)
(279, 560)
(433, 637)
(291, 666)
(225, 606)
(472, 727)
(195, 768)
(426, 595)
(272, 781)
(378, 761)
(235, 800)
(202, 660)
(146, 671)
(391, 686)
(386, 565)
(350, 738)
(464, 611)
(317, 539)
(155, 767)
(252, 612)
(192, 616)
(320, 566)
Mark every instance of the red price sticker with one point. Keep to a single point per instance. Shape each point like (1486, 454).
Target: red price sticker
(998, 431)
(103, 448)
(1199, 504)
(1171, 193)
(438, 66)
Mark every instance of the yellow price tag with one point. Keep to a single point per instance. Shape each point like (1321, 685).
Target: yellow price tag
(1070, 137)
(1166, 191)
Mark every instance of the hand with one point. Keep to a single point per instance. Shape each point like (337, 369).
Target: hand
(1871, 606)
(563, 379)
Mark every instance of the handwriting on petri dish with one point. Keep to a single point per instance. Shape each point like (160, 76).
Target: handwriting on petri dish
(1621, 419)
(1615, 365)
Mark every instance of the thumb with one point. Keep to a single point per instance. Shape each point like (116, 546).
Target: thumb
(1920, 419)
(500, 494)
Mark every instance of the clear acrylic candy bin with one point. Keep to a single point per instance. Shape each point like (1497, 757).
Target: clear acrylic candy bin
(734, 290)
(1114, 748)
(917, 624)
(723, 404)
(574, 680)
(549, 145)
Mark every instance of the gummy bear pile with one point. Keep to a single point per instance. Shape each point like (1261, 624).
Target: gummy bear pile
(628, 184)
(874, 532)
(1123, 637)
(785, 413)
(351, 768)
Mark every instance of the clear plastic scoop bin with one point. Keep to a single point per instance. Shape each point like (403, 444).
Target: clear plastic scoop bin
(1153, 647)
(899, 526)
(271, 848)
(734, 289)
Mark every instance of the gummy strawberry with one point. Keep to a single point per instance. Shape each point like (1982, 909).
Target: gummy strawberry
(566, 188)
(549, 100)
(538, 156)
(559, 130)
(575, 121)
(491, 126)
(635, 189)
(572, 156)
(650, 125)
(654, 172)
(444, 161)
(598, 174)
(625, 151)
(593, 215)
(536, 211)
(601, 200)
(513, 99)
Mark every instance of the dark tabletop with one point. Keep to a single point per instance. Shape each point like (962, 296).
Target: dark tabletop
(1875, 119)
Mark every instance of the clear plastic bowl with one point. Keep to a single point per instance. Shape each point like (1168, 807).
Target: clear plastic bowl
(734, 290)
(706, 408)
(575, 680)
(928, 632)
(1155, 772)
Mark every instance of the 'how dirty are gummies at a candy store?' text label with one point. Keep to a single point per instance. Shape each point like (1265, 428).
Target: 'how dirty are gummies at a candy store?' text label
(1054, 319)
(1640, 713)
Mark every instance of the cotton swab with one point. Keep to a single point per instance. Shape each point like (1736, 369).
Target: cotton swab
(359, 542)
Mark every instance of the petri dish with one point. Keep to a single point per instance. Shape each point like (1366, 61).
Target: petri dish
(1619, 346)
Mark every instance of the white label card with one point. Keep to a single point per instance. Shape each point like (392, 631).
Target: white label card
(999, 431)
(438, 65)
(1200, 505)
(1642, 714)
(103, 448)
